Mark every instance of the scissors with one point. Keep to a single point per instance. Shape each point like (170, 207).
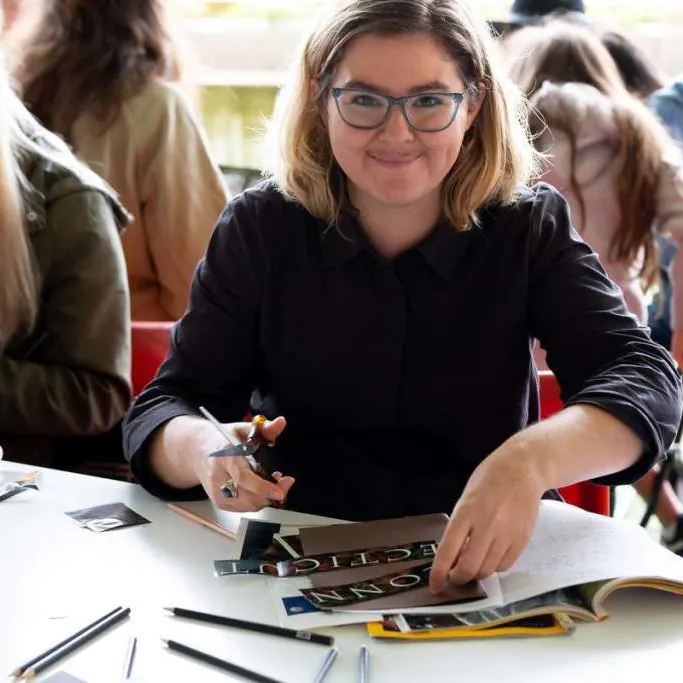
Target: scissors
(247, 449)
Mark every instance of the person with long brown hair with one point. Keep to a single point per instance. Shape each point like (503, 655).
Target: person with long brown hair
(642, 79)
(618, 169)
(64, 309)
(607, 153)
(103, 75)
(376, 300)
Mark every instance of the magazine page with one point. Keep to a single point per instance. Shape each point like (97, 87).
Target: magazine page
(570, 547)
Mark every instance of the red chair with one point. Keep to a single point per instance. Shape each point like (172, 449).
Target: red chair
(150, 343)
(591, 497)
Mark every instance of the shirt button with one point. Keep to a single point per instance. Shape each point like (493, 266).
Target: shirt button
(31, 216)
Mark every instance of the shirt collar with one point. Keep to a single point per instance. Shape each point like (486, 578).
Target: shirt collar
(442, 249)
(343, 240)
(445, 246)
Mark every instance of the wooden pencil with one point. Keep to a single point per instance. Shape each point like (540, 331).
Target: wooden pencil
(48, 660)
(218, 663)
(20, 669)
(204, 521)
(252, 626)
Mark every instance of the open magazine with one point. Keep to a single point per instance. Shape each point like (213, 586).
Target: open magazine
(573, 562)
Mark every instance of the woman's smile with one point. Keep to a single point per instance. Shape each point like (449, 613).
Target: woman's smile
(394, 161)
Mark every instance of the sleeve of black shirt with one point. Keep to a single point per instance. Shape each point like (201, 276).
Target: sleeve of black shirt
(599, 353)
(216, 338)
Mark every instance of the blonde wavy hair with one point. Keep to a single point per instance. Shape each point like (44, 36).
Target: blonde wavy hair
(22, 137)
(497, 156)
(18, 277)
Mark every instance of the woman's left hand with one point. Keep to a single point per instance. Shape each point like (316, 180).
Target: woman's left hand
(491, 522)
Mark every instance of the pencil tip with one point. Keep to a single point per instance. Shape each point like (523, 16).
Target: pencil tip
(169, 609)
(164, 641)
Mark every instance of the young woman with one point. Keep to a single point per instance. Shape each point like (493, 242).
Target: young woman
(64, 311)
(380, 294)
(103, 76)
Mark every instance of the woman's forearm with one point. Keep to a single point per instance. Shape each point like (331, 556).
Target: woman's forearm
(177, 447)
(579, 443)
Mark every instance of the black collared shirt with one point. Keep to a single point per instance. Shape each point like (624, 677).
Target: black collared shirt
(398, 377)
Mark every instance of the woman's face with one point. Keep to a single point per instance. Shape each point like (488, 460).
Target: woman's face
(394, 164)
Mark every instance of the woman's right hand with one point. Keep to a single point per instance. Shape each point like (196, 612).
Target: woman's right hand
(253, 492)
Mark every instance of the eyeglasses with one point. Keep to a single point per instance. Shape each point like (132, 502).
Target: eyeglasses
(429, 112)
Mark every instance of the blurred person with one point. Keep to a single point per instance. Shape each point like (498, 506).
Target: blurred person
(642, 78)
(611, 157)
(524, 12)
(640, 74)
(529, 11)
(104, 76)
(64, 308)
(613, 161)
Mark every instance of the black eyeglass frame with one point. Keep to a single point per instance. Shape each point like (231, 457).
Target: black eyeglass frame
(400, 102)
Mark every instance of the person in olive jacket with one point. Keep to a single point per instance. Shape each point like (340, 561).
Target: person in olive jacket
(64, 306)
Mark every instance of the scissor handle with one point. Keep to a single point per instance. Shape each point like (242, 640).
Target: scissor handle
(255, 435)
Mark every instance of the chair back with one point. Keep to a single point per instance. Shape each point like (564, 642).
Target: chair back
(150, 344)
(591, 497)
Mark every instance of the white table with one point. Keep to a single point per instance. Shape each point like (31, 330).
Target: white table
(55, 576)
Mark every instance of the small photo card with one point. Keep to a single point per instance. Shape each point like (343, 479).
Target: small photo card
(107, 517)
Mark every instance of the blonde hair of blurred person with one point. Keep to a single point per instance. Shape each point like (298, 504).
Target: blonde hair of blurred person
(64, 312)
(104, 76)
(18, 278)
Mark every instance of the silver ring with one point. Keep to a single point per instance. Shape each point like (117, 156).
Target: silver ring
(229, 489)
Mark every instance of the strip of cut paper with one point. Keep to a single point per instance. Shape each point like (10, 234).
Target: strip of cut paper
(350, 559)
(334, 597)
(328, 562)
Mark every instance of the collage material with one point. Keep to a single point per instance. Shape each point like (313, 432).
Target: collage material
(387, 585)
(107, 517)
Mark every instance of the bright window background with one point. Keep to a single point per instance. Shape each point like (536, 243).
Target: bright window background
(237, 53)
